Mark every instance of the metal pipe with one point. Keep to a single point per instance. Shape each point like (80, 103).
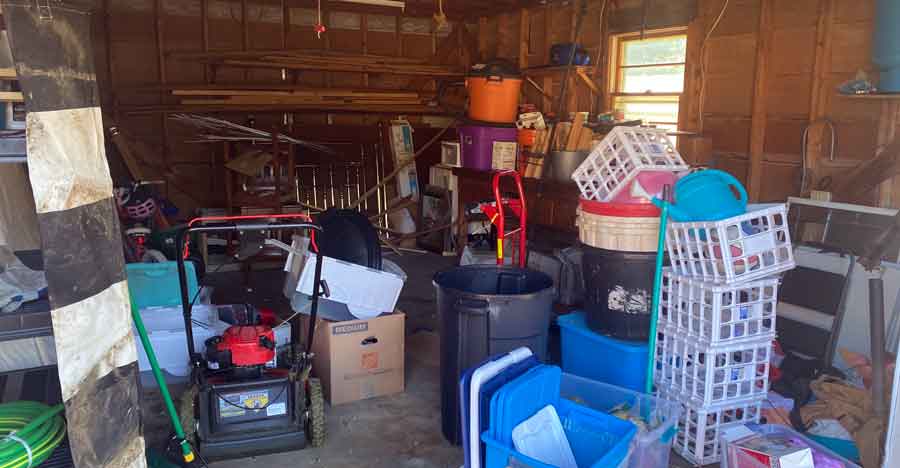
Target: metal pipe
(876, 330)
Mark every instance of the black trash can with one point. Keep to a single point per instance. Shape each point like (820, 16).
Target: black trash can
(618, 292)
(487, 310)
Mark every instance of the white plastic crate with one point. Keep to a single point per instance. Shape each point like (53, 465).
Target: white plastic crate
(702, 375)
(700, 428)
(620, 156)
(718, 314)
(742, 248)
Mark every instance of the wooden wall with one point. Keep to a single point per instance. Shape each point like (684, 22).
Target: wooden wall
(772, 67)
(136, 37)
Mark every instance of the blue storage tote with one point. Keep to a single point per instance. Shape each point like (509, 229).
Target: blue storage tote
(597, 439)
(657, 418)
(156, 284)
(601, 358)
(487, 390)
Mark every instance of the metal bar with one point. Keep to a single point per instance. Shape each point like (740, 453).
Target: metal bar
(876, 329)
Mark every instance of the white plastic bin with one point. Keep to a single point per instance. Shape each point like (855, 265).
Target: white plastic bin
(366, 292)
(655, 418)
(695, 373)
(718, 314)
(742, 248)
(630, 234)
(700, 428)
(622, 154)
(165, 328)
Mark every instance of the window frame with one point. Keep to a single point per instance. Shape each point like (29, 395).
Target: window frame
(617, 70)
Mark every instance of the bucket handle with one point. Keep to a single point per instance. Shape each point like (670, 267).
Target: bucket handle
(729, 179)
(518, 277)
(471, 306)
(495, 78)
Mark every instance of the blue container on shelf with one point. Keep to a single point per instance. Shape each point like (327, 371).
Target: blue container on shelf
(156, 284)
(886, 45)
(597, 439)
(601, 358)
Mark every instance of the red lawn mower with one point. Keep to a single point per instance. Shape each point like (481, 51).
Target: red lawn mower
(247, 403)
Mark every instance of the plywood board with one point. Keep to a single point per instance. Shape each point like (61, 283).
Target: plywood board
(793, 51)
(779, 181)
(728, 134)
(857, 139)
(796, 14)
(851, 47)
(741, 17)
(729, 95)
(789, 95)
(783, 140)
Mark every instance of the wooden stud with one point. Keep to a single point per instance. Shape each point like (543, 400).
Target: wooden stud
(245, 34)
(161, 61)
(689, 104)
(482, 38)
(548, 31)
(819, 94)
(524, 42)
(760, 97)
(204, 37)
(364, 28)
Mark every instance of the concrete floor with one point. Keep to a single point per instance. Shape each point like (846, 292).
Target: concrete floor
(395, 431)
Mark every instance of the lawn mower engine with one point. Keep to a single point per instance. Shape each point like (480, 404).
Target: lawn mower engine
(246, 404)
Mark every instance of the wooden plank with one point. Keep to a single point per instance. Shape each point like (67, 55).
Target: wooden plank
(8, 74)
(483, 38)
(587, 80)
(319, 92)
(819, 90)
(11, 96)
(339, 67)
(760, 98)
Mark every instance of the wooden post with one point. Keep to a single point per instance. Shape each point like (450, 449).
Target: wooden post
(204, 36)
(161, 62)
(482, 38)
(760, 97)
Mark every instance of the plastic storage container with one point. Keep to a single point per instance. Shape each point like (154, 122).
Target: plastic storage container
(623, 363)
(701, 375)
(822, 456)
(657, 418)
(494, 92)
(165, 328)
(886, 45)
(743, 248)
(486, 147)
(560, 165)
(618, 292)
(622, 154)
(156, 284)
(618, 226)
(700, 428)
(645, 186)
(718, 314)
(487, 310)
(597, 439)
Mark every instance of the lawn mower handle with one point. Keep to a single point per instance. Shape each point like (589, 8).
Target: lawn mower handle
(228, 224)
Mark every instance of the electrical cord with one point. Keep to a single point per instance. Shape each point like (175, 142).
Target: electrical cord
(715, 25)
(30, 432)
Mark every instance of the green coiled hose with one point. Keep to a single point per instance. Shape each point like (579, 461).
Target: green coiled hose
(30, 423)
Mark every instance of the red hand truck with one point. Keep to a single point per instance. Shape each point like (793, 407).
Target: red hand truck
(497, 214)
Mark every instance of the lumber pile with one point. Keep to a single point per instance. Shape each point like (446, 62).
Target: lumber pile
(325, 98)
(322, 61)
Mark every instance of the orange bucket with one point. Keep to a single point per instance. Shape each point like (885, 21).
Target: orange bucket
(494, 92)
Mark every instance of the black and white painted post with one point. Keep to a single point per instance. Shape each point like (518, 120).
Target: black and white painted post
(80, 235)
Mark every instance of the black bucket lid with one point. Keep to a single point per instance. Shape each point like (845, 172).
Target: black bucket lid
(495, 68)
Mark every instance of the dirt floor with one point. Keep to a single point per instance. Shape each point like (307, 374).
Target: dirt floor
(395, 431)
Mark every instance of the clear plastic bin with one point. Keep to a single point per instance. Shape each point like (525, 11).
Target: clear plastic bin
(655, 418)
(822, 457)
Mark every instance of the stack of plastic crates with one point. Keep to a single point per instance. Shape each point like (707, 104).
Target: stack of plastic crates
(717, 323)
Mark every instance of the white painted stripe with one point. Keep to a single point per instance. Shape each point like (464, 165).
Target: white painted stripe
(93, 337)
(66, 158)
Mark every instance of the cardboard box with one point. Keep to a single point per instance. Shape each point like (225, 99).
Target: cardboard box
(360, 359)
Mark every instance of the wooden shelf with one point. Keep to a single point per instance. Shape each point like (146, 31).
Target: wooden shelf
(541, 71)
(873, 96)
